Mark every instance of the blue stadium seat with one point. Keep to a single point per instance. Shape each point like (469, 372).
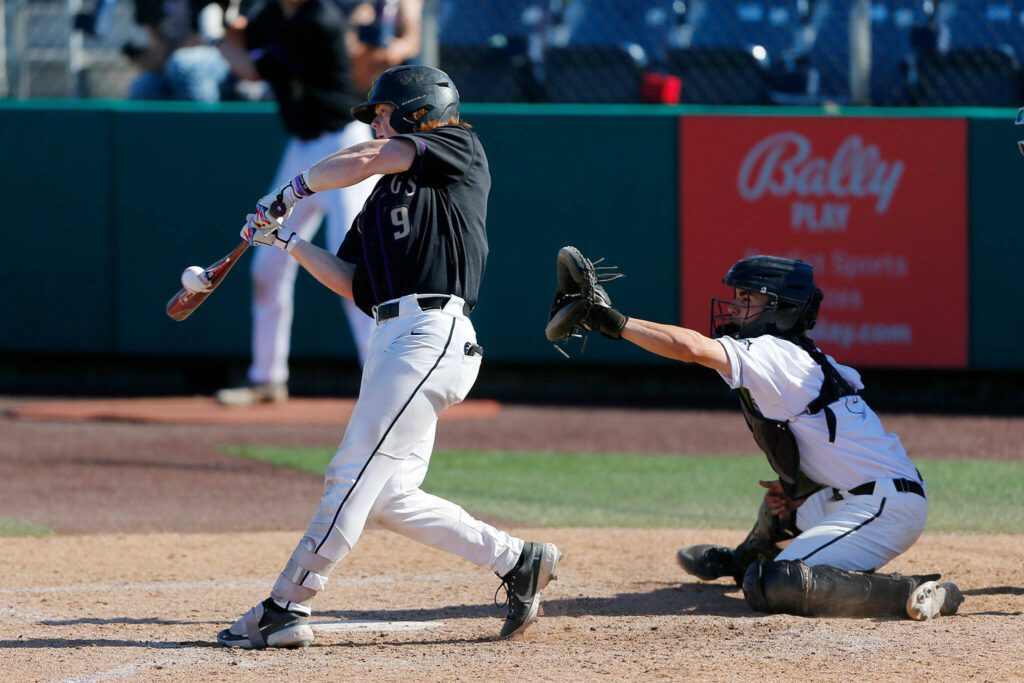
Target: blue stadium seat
(744, 24)
(829, 53)
(719, 76)
(989, 78)
(598, 74)
(624, 24)
(893, 58)
(981, 24)
(485, 22)
(486, 74)
(484, 46)
(977, 62)
(736, 49)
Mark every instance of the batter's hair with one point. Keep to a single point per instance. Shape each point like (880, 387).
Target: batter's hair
(431, 125)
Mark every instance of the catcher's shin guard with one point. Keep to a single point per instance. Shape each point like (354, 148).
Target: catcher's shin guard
(792, 587)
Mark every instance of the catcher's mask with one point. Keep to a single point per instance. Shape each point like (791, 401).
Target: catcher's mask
(418, 93)
(793, 299)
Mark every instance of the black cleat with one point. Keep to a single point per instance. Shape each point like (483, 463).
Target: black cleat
(267, 625)
(707, 562)
(537, 566)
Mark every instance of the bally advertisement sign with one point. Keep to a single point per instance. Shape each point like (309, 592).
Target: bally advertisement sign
(878, 206)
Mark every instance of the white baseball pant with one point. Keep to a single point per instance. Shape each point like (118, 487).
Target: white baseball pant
(857, 533)
(274, 271)
(417, 367)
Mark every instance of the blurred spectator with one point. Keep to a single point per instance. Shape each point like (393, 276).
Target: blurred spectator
(96, 22)
(299, 48)
(180, 61)
(384, 33)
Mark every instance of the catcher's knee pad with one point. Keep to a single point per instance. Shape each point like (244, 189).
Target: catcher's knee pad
(777, 587)
(304, 576)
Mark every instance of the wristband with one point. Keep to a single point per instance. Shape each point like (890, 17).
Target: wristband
(300, 187)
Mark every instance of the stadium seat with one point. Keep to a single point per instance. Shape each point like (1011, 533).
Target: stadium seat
(977, 62)
(592, 75)
(718, 76)
(646, 24)
(969, 78)
(484, 47)
(981, 24)
(485, 22)
(487, 74)
(894, 27)
(829, 52)
(744, 24)
(736, 48)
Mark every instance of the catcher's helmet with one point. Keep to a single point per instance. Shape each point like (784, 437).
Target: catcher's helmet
(410, 89)
(793, 299)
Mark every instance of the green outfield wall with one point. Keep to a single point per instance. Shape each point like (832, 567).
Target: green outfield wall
(111, 200)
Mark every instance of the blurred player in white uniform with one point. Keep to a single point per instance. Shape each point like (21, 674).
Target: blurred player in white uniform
(299, 48)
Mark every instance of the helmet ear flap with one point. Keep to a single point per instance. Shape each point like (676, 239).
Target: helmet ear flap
(810, 316)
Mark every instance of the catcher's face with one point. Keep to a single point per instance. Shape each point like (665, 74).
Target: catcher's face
(747, 305)
(728, 318)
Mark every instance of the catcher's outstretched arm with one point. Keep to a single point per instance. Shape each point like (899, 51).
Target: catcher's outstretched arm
(679, 343)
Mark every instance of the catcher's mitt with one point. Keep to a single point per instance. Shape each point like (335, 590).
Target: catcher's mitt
(581, 303)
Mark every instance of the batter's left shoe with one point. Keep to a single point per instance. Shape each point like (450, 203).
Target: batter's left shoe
(267, 625)
(537, 566)
(932, 599)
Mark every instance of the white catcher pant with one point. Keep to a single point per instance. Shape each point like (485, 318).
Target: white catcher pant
(857, 533)
(416, 368)
(274, 271)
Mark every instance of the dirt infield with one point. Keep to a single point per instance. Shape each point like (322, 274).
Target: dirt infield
(162, 540)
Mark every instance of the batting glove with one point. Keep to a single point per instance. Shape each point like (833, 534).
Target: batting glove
(268, 237)
(276, 207)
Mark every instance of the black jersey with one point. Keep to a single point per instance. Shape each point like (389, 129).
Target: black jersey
(305, 60)
(423, 231)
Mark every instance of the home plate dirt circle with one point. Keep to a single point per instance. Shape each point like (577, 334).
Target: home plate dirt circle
(204, 410)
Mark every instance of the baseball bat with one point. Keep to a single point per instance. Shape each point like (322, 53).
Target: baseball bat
(184, 302)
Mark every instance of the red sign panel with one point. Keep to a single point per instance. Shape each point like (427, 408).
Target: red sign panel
(878, 206)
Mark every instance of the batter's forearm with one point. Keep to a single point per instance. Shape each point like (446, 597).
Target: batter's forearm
(332, 272)
(359, 162)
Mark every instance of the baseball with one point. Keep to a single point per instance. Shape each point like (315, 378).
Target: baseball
(194, 279)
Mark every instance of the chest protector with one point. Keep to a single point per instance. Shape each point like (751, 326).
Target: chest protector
(776, 439)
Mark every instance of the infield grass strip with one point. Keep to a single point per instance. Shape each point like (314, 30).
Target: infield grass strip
(546, 489)
(15, 527)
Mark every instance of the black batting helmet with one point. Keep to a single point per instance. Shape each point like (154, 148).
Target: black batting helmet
(410, 89)
(793, 302)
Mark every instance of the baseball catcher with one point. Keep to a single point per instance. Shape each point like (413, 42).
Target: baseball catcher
(847, 499)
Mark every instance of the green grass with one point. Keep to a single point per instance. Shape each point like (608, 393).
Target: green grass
(15, 527)
(546, 489)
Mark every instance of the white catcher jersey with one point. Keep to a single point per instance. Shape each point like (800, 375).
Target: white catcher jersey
(782, 379)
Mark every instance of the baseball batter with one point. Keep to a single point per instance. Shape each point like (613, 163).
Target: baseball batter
(298, 47)
(847, 494)
(413, 260)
